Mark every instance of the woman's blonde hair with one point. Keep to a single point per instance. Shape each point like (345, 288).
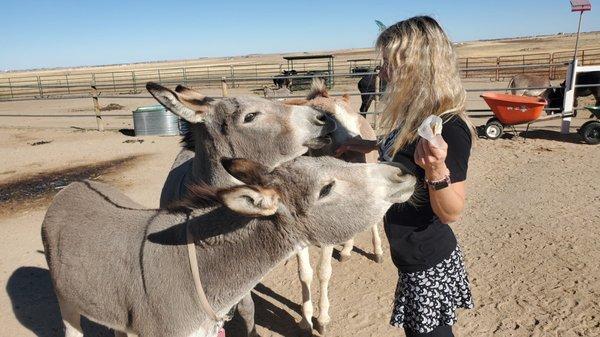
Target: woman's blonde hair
(422, 77)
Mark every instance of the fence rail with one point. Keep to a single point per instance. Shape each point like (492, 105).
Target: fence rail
(77, 83)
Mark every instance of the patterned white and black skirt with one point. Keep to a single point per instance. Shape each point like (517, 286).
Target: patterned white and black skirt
(427, 299)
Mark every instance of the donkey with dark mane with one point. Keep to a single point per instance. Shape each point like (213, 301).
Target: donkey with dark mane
(251, 127)
(367, 84)
(127, 267)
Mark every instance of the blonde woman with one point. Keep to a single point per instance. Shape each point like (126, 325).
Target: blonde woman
(421, 69)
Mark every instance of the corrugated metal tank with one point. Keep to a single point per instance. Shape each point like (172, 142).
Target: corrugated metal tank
(155, 120)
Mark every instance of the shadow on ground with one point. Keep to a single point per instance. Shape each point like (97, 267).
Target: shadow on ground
(268, 315)
(127, 132)
(572, 137)
(35, 306)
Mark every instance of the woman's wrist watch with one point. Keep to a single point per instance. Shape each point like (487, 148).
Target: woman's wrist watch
(440, 183)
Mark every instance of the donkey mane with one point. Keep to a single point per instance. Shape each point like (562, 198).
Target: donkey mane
(199, 195)
(317, 89)
(187, 139)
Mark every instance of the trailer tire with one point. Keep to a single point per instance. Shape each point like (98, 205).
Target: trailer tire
(590, 132)
(493, 129)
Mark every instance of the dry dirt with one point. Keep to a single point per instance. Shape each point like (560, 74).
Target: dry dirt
(529, 233)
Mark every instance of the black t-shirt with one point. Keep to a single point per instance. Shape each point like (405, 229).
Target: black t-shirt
(418, 239)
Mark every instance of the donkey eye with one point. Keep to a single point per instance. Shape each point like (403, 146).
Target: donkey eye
(326, 190)
(250, 117)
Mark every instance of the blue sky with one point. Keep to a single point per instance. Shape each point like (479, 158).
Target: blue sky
(57, 33)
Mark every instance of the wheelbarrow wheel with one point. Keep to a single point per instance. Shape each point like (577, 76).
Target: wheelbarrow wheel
(494, 129)
(590, 132)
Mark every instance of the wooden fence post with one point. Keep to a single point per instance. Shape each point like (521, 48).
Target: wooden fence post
(497, 69)
(68, 86)
(133, 80)
(223, 86)
(208, 77)
(99, 120)
(551, 61)
(41, 91)
(232, 76)
(10, 88)
(467, 68)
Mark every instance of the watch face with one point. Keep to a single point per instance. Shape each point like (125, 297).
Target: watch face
(440, 185)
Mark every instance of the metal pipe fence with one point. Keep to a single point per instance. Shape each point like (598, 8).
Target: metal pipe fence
(248, 75)
(123, 90)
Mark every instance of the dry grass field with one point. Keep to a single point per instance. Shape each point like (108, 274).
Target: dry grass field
(530, 231)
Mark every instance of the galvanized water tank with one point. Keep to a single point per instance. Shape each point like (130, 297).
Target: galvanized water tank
(155, 120)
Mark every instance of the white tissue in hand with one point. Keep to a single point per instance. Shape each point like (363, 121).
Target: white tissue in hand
(431, 129)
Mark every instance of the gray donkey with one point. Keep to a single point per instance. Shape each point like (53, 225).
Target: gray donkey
(127, 267)
(245, 126)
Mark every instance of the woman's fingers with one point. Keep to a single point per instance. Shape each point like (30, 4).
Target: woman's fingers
(420, 154)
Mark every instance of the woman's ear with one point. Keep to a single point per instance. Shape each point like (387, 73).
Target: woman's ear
(251, 201)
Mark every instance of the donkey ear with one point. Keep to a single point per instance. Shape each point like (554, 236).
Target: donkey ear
(172, 101)
(251, 201)
(317, 89)
(247, 171)
(192, 98)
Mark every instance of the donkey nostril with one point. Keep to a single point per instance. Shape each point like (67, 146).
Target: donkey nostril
(321, 118)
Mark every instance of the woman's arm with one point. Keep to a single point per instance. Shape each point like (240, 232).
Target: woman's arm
(447, 203)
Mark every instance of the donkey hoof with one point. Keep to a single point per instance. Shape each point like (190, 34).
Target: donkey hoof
(379, 258)
(321, 329)
(344, 258)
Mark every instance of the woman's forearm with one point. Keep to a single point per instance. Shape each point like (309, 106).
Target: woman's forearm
(447, 203)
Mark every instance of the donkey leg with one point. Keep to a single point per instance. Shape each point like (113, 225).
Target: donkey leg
(306, 276)
(346, 250)
(71, 320)
(376, 239)
(246, 310)
(324, 277)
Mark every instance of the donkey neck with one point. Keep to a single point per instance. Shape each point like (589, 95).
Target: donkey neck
(235, 253)
(206, 166)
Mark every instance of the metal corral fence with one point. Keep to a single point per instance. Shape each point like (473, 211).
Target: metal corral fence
(552, 65)
(95, 93)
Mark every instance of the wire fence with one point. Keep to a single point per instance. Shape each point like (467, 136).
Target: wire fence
(256, 76)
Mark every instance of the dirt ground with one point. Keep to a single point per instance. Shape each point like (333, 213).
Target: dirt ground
(529, 233)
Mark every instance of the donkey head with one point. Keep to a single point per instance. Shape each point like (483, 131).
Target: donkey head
(250, 127)
(349, 123)
(319, 199)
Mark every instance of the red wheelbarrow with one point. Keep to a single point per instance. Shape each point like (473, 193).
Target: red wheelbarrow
(510, 110)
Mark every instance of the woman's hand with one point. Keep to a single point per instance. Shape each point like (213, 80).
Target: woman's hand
(432, 159)
(447, 203)
(356, 144)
